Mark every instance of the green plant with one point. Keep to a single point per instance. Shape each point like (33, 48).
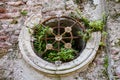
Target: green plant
(105, 74)
(96, 25)
(106, 63)
(91, 26)
(104, 34)
(77, 14)
(14, 21)
(39, 43)
(104, 17)
(102, 44)
(66, 54)
(63, 55)
(85, 20)
(39, 34)
(24, 12)
(85, 35)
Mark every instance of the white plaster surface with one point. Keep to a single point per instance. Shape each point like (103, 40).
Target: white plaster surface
(24, 66)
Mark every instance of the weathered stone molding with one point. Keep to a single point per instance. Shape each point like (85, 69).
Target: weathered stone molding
(29, 55)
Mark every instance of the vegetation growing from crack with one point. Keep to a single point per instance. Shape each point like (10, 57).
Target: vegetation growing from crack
(24, 12)
(91, 26)
(106, 64)
(39, 44)
(102, 43)
(14, 21)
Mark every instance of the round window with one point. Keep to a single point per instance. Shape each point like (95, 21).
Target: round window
(55, 46)
(57, 39)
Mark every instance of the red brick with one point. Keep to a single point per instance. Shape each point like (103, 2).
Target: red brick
(2, 10)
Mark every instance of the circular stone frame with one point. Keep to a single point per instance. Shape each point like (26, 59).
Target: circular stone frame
(86, 56)
(59, 27)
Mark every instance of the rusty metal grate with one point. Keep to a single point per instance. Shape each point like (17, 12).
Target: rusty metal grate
(59, 27)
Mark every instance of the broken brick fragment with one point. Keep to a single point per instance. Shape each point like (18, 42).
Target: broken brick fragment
(4, 45)
(3, 38)
(18, 3)
(9, 15)
(2, 52)
(2, 10)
